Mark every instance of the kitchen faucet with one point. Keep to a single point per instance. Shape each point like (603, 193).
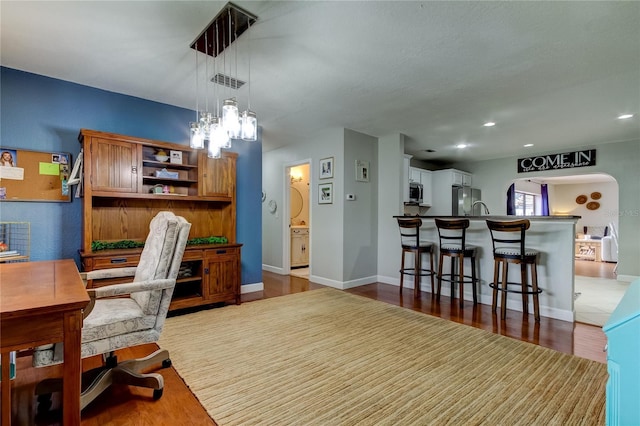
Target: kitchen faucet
(486, 209)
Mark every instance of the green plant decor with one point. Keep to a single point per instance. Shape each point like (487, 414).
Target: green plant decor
(126, 244)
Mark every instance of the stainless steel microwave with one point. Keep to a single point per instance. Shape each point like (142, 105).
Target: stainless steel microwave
(415, 192)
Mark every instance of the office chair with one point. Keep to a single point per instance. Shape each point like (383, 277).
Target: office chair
(115, 322)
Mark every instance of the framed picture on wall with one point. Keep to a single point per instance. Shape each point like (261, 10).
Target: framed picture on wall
(362, 171)
(325, 193)
(326, 168)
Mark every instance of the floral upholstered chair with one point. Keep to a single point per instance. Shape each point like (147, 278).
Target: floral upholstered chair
(120, 322)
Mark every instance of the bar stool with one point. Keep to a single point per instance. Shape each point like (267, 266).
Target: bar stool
(411, 243)
(509, 247)
(452, 234)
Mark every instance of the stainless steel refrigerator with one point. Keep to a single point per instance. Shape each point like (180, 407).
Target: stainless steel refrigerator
(463, 198)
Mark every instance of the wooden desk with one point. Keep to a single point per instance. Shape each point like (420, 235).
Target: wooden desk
(42, 303)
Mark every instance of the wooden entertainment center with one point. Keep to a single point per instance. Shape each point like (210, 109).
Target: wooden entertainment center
(121, 174)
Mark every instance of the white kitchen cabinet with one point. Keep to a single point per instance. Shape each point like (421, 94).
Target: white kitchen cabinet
(459, 178)
(299, 246)
(406, 178)
(423, 177)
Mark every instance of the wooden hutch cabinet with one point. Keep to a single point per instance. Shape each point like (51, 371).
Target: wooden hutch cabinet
(121, 174)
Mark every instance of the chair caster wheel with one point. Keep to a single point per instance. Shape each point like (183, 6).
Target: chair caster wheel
(166, 363)
(157, 394)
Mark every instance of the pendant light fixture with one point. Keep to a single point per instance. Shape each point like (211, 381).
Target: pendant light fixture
(230, 118)
(219, 128)
(249, 126)
(196, 134)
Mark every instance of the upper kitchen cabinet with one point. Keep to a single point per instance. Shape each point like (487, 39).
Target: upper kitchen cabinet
(423, 177)
(458, 177)
(406, 177)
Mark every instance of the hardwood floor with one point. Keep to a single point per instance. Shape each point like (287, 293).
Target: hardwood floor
(123, 405)
(589, 268)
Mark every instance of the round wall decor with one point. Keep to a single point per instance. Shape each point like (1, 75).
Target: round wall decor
(581, 199)
(596, 195)
(593, 205)
(273, 206)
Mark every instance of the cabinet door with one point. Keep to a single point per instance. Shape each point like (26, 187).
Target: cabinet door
(222, 274)
(457, 178)
(466, 179)
(216, 176)
(425, 180)
(299, 244)
(414, 175)
(114, 166)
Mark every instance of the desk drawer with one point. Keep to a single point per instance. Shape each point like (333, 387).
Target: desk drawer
(108, 262)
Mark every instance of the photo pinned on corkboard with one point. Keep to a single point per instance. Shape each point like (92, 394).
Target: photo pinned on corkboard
(596, 195)
(593, 205)
(581, 199)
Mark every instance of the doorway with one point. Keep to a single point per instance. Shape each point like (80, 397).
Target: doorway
(299, 219)
(593, 197)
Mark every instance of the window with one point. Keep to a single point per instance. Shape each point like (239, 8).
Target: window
(525, 204)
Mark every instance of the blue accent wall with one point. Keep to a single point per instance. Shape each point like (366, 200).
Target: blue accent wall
(44, 114)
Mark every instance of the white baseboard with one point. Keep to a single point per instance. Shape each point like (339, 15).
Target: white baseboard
(251, 288)
(275, 269)
(626, 278)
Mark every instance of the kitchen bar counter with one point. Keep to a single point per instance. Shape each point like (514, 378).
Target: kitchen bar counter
(552, 236)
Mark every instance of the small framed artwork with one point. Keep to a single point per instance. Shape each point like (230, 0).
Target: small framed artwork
(175, 157)
(325, 193)
(326, 168)
(362, 171)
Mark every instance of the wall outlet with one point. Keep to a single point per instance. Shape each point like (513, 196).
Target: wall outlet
(351, 197)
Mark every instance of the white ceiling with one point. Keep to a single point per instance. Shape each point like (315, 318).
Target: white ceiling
(554, 74)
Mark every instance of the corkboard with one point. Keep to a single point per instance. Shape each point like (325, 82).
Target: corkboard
(34, 175)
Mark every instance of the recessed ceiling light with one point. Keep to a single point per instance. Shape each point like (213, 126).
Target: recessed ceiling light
(461, 145)
(625, 116)
(489, 124)
(528, 145)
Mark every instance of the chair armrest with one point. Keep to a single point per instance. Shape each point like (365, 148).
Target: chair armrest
(111, 273)
(128, 288)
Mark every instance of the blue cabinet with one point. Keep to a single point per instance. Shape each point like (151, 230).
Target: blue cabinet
(623, 360)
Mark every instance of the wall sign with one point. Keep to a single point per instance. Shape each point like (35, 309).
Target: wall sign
(566, 160)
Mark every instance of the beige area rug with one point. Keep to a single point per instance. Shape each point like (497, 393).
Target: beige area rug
(326, 357)
(596, 298)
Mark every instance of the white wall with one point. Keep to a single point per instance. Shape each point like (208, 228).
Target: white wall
(619, 160)
(360, 243)
(329, 236)
(326, 222)
(564, 202)
(390, 203)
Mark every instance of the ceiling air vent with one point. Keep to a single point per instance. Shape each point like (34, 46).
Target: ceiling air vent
(225, 80)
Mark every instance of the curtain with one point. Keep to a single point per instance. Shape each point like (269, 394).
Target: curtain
(511, 200)
(545, 199)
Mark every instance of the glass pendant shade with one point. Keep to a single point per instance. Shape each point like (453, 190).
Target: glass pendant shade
(196, 137)
(249, 126)
(230, 117)
(218, 139)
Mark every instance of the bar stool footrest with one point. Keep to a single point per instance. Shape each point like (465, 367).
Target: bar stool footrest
(468, 279)
(508, 290)
(423, 272)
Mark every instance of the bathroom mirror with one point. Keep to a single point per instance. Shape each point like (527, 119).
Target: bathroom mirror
(296, 202)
